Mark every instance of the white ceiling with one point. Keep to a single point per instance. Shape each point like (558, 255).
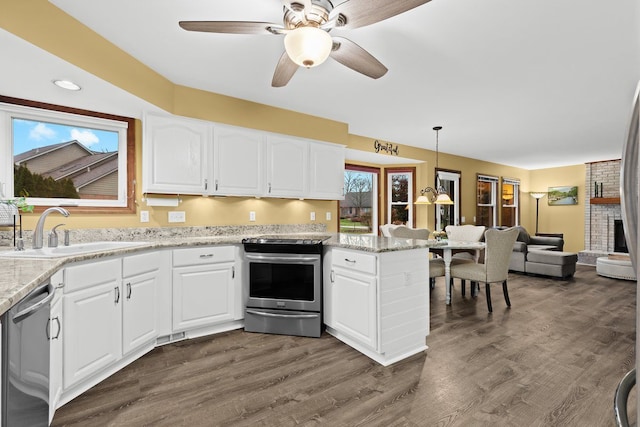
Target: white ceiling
(529, 84)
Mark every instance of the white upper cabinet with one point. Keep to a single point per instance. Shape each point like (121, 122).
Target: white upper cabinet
(174, 155)
(287, 166)
(326, 171)
(188, 156)
(238, 161)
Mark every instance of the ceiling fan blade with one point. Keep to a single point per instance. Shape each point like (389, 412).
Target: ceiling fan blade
(360, 13)
(285, 69)
(353, 56)
(231, 27)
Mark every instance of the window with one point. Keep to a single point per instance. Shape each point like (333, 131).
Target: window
(61, 156)
(448, 214)
(359, 209)
(510, 211)
(400, 191)
(486, 212)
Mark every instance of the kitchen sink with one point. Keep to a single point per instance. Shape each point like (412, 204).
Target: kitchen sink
(71, 250)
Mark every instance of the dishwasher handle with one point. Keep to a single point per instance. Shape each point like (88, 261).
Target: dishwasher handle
(23, 314)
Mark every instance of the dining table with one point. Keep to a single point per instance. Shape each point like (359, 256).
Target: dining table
(447, 251)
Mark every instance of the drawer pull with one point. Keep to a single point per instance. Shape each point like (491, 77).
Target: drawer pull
(206, 256)
(351, 261)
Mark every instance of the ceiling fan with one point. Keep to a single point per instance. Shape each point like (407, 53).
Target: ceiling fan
(306, 26)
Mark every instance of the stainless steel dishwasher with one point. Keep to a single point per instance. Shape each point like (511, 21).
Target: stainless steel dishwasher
(25, 360)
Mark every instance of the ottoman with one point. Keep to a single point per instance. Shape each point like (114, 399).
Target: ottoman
(551, 263)
(616, 267)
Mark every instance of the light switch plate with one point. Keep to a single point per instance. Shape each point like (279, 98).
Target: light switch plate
(144, 216)
(312, 217)
(328, 216)
(252, 216)
(177, 216)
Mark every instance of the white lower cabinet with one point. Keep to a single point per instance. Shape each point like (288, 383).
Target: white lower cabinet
(353, 293)
(378, 303)
(56, 337)
(92, 324)
(203, 287)
(110, 310)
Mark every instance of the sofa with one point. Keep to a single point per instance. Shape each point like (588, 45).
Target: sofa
(541, 255)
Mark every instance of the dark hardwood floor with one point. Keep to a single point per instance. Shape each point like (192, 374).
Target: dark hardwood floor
(553, 359)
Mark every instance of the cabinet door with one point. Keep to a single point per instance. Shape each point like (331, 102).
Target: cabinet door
(326, 171)
(174, 153)
(139, 310)
(238, 160)
(92, 324)
(287, 160)
(203, 295)
(92, 331)
(55, 359)
(354, 306)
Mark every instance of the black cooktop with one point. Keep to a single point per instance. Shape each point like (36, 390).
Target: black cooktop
(282, 245)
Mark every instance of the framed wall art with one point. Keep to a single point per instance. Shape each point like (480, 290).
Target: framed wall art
(561, 196)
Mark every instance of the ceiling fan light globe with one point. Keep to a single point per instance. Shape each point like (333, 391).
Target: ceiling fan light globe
(308, 46)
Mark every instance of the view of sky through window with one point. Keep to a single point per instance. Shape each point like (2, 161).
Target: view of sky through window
(29, 134)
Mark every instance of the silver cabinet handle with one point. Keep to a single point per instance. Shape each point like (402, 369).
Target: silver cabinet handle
(269, 188)
(57, 319)
(129, 290)
(350, 261)
(332, 276)
(216, 185)
(233, 272)
(206, 256)
(206, 184)
(117, 289)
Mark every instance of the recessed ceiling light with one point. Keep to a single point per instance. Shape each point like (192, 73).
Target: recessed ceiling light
(66, 84)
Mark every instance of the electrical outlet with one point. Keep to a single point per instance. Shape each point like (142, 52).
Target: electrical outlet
(252, 216)
(312, 216)
(463, 219)
(328, 216)
(177, 216)
(144, 216)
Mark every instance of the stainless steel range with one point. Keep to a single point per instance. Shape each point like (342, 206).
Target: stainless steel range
(283, 286)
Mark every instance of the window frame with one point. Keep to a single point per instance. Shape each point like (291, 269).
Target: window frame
(375, 195)
(411, 190)
(454, 176)
(33, 110)
(516, 199)
(494, 180)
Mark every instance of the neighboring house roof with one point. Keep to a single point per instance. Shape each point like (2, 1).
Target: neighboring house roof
(84, 170)
(47, 149)
(356, 199)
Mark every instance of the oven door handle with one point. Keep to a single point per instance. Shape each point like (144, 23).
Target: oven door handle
(289, 316)
(282, 258)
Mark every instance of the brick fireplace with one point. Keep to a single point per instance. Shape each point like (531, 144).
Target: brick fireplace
(602, 212)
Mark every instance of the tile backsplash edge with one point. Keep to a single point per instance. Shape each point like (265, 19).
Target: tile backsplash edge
(142, 233)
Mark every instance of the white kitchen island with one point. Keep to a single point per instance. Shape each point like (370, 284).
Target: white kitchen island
(376, 295)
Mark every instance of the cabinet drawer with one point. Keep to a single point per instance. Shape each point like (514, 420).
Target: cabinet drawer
(356, 261)
(92, 274)
(203, 255)
(134, 265)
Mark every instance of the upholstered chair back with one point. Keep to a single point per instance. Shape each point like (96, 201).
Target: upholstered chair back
(465, 233)
(499, 245)
(410, 233)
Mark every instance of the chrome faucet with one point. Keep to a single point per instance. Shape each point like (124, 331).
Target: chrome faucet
(39, 231)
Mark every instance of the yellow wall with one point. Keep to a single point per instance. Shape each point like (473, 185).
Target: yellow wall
(39, 22)
(560, 219)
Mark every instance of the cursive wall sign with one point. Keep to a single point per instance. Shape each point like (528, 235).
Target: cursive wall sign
(386, 147)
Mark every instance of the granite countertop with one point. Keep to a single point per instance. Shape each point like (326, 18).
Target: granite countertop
(21, 275)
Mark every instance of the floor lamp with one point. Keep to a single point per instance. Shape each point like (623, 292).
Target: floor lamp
(537, 195)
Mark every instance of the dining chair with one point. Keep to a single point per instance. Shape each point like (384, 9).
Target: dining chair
(465, 233)
(499, 245)
(436, 265)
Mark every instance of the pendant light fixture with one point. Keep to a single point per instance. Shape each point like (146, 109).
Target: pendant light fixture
(440, 196)
(308, 46)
